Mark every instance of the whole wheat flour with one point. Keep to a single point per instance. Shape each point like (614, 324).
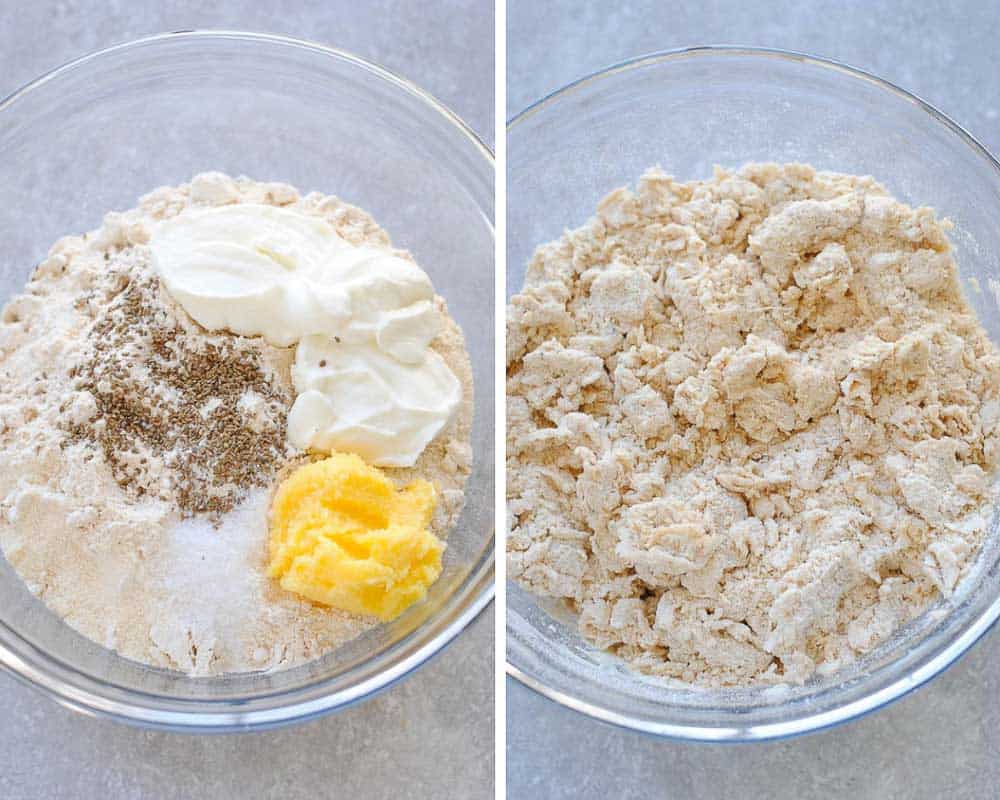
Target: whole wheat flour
(752, 423)
(139, 451)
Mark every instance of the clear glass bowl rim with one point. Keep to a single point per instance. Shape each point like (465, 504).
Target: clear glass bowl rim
(808, 723)
(81, 692)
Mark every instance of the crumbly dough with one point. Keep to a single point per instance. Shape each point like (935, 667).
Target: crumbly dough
(751, 423)
(129, 573)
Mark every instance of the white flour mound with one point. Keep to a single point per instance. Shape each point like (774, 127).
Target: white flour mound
(127, 571)
(752, 423)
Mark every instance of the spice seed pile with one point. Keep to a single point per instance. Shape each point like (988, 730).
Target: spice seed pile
(191, 420)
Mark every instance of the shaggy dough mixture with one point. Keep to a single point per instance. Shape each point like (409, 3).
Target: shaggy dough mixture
(752, 423)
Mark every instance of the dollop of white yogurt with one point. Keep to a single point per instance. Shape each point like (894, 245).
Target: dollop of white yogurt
(362, 320)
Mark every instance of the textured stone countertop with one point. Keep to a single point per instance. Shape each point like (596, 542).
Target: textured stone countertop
(941, 741)
(430, 736)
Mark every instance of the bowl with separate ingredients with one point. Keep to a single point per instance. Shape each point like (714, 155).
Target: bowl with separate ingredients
(752, 386)
(246, 414)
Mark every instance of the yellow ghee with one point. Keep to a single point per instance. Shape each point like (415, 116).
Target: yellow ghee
(344, 536)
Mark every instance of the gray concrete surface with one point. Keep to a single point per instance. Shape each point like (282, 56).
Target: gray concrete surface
(430, 736)
(942, 741)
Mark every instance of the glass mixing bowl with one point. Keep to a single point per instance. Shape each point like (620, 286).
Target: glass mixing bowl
(91, 137)
(686, 111)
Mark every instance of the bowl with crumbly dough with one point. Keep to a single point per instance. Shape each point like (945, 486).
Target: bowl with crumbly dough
(752, 394)
(152, 357)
